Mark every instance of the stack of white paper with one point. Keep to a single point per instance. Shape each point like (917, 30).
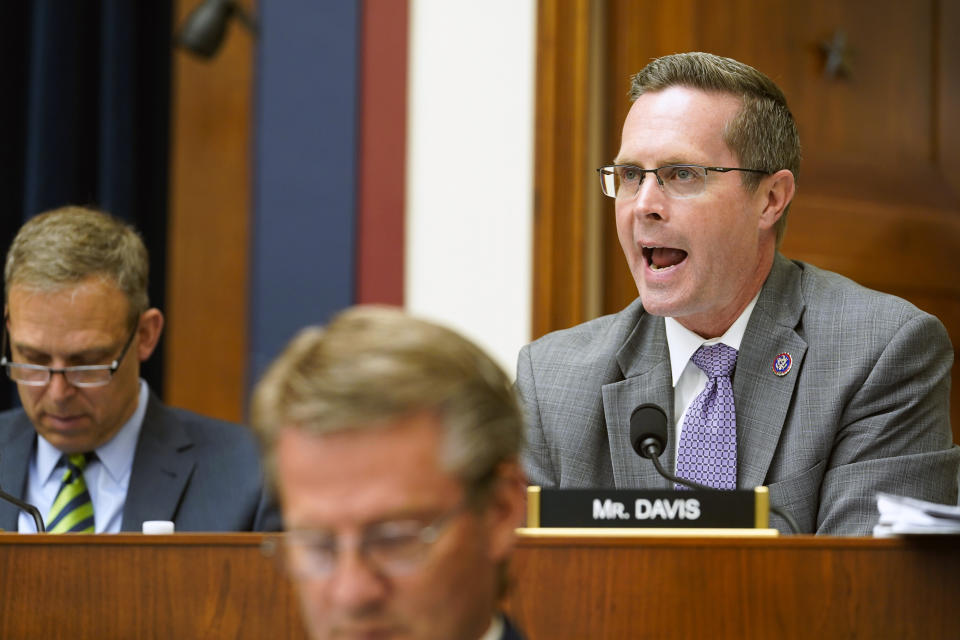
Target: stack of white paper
(900, 515)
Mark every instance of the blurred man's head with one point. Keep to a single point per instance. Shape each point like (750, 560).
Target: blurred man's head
(78, 324)
(394, 446)
(700, 235)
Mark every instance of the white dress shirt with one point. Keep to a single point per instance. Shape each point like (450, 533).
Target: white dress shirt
(107, 477)
(689, 379)
(495, 630)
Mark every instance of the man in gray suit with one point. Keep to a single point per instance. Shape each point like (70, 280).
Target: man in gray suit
(93, 448)
(839, 391)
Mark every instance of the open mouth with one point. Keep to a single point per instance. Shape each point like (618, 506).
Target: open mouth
(663, 258)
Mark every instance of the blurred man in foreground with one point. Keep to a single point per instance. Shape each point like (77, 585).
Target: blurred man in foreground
(394, 446)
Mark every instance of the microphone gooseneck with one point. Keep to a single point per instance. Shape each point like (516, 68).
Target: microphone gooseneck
(24, 506)
(648, 436)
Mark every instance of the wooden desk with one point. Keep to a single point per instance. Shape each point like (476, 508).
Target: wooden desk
(127, 586)
(789, 587)
(188, 586)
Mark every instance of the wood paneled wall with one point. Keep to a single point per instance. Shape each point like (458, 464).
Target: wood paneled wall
(562, 140)
(208, 270)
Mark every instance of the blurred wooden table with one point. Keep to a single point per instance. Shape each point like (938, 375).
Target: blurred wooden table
(788, 587)
(127, 586)
(221, 586)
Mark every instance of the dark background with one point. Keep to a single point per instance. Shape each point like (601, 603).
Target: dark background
(86, 107)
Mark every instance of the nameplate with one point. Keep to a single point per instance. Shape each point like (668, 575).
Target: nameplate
(639, 508)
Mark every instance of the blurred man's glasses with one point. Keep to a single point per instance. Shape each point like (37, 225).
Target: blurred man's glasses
(395, 548)
(35, 375)
(676, 180)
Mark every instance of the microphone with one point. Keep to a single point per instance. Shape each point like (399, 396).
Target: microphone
(648, 436)
(24, 506)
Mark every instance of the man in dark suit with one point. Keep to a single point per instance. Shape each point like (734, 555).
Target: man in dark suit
(93, 448)
(830, 392)
(394, 445)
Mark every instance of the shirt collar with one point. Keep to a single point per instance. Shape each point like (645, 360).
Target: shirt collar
(48, 457)
(116, 455)
(683, 343)
(495, 630)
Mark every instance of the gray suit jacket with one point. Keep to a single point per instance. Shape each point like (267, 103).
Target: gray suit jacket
(863, 409)
(202, 474)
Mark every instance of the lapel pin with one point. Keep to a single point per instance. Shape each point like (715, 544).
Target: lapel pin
(782, 364)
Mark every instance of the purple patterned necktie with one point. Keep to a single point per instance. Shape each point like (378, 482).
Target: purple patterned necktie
(708, 441)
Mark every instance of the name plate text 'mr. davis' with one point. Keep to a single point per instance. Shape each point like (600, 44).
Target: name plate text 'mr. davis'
(633, 508)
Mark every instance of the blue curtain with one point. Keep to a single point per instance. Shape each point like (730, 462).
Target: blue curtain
(86, 112)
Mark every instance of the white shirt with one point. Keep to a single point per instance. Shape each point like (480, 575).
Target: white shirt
(495, 630)
(689, 379)
(107, 477)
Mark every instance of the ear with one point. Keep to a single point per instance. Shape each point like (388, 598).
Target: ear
(148, 332)
(505, 511)
(776, 192)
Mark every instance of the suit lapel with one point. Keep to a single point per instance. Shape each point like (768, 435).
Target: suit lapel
(645, 364)
(510, 632)
(162, 466)
(762, 397)
(15, 461)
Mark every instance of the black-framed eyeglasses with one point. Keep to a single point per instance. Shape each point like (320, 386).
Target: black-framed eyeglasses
(676, 180)
(395, 548)
(36, 375)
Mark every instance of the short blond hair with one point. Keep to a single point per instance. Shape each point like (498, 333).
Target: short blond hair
(374, 364)
(66, 246)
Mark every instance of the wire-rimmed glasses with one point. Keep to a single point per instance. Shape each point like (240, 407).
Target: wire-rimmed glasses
(35, 375)
(676, 180)
(396, 548)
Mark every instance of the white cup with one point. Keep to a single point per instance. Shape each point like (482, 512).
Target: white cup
(157, 526)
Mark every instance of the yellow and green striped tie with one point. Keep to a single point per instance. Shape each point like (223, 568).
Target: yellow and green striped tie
(72, 511)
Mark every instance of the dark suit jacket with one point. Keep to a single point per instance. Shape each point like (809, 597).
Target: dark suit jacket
(200, 473)
(863, 409)
(510, 632)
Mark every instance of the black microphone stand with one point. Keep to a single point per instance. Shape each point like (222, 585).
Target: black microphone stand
(652, 452)
(651, 448)
(29, 508)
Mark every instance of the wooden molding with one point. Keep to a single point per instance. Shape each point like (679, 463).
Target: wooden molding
(209, 232)
(561, 176)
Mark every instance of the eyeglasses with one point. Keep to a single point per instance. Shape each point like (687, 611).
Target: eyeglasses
(395, 548)
(676, 180)
(35, 375)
